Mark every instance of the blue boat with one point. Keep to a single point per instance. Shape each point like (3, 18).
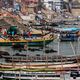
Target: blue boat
(69, 34)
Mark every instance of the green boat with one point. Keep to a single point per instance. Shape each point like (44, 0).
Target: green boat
(32, 42)
(14, 38)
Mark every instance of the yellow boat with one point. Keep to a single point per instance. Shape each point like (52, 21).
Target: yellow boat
(38, 41)
(14, 37)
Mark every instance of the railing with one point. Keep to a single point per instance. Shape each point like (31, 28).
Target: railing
(41, 59)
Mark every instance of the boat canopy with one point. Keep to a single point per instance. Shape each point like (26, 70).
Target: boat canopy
(73, 29)
(13, 30)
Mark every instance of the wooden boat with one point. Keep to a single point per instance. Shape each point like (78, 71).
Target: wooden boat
(69, 34)
(38, 41)
(34, 38)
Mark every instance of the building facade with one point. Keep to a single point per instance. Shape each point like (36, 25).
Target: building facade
(73, 6)
(7, 3)
(53, 4)
(27, 6)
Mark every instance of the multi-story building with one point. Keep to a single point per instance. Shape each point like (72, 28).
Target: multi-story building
(27, 6)
(7, 3)
(53, 4)
(73, 6)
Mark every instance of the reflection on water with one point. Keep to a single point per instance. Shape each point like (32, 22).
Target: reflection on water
(65, 48)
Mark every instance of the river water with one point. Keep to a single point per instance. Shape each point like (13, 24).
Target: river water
(62, 48)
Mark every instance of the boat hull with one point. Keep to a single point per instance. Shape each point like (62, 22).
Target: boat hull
(69, 39)
(29, 43)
